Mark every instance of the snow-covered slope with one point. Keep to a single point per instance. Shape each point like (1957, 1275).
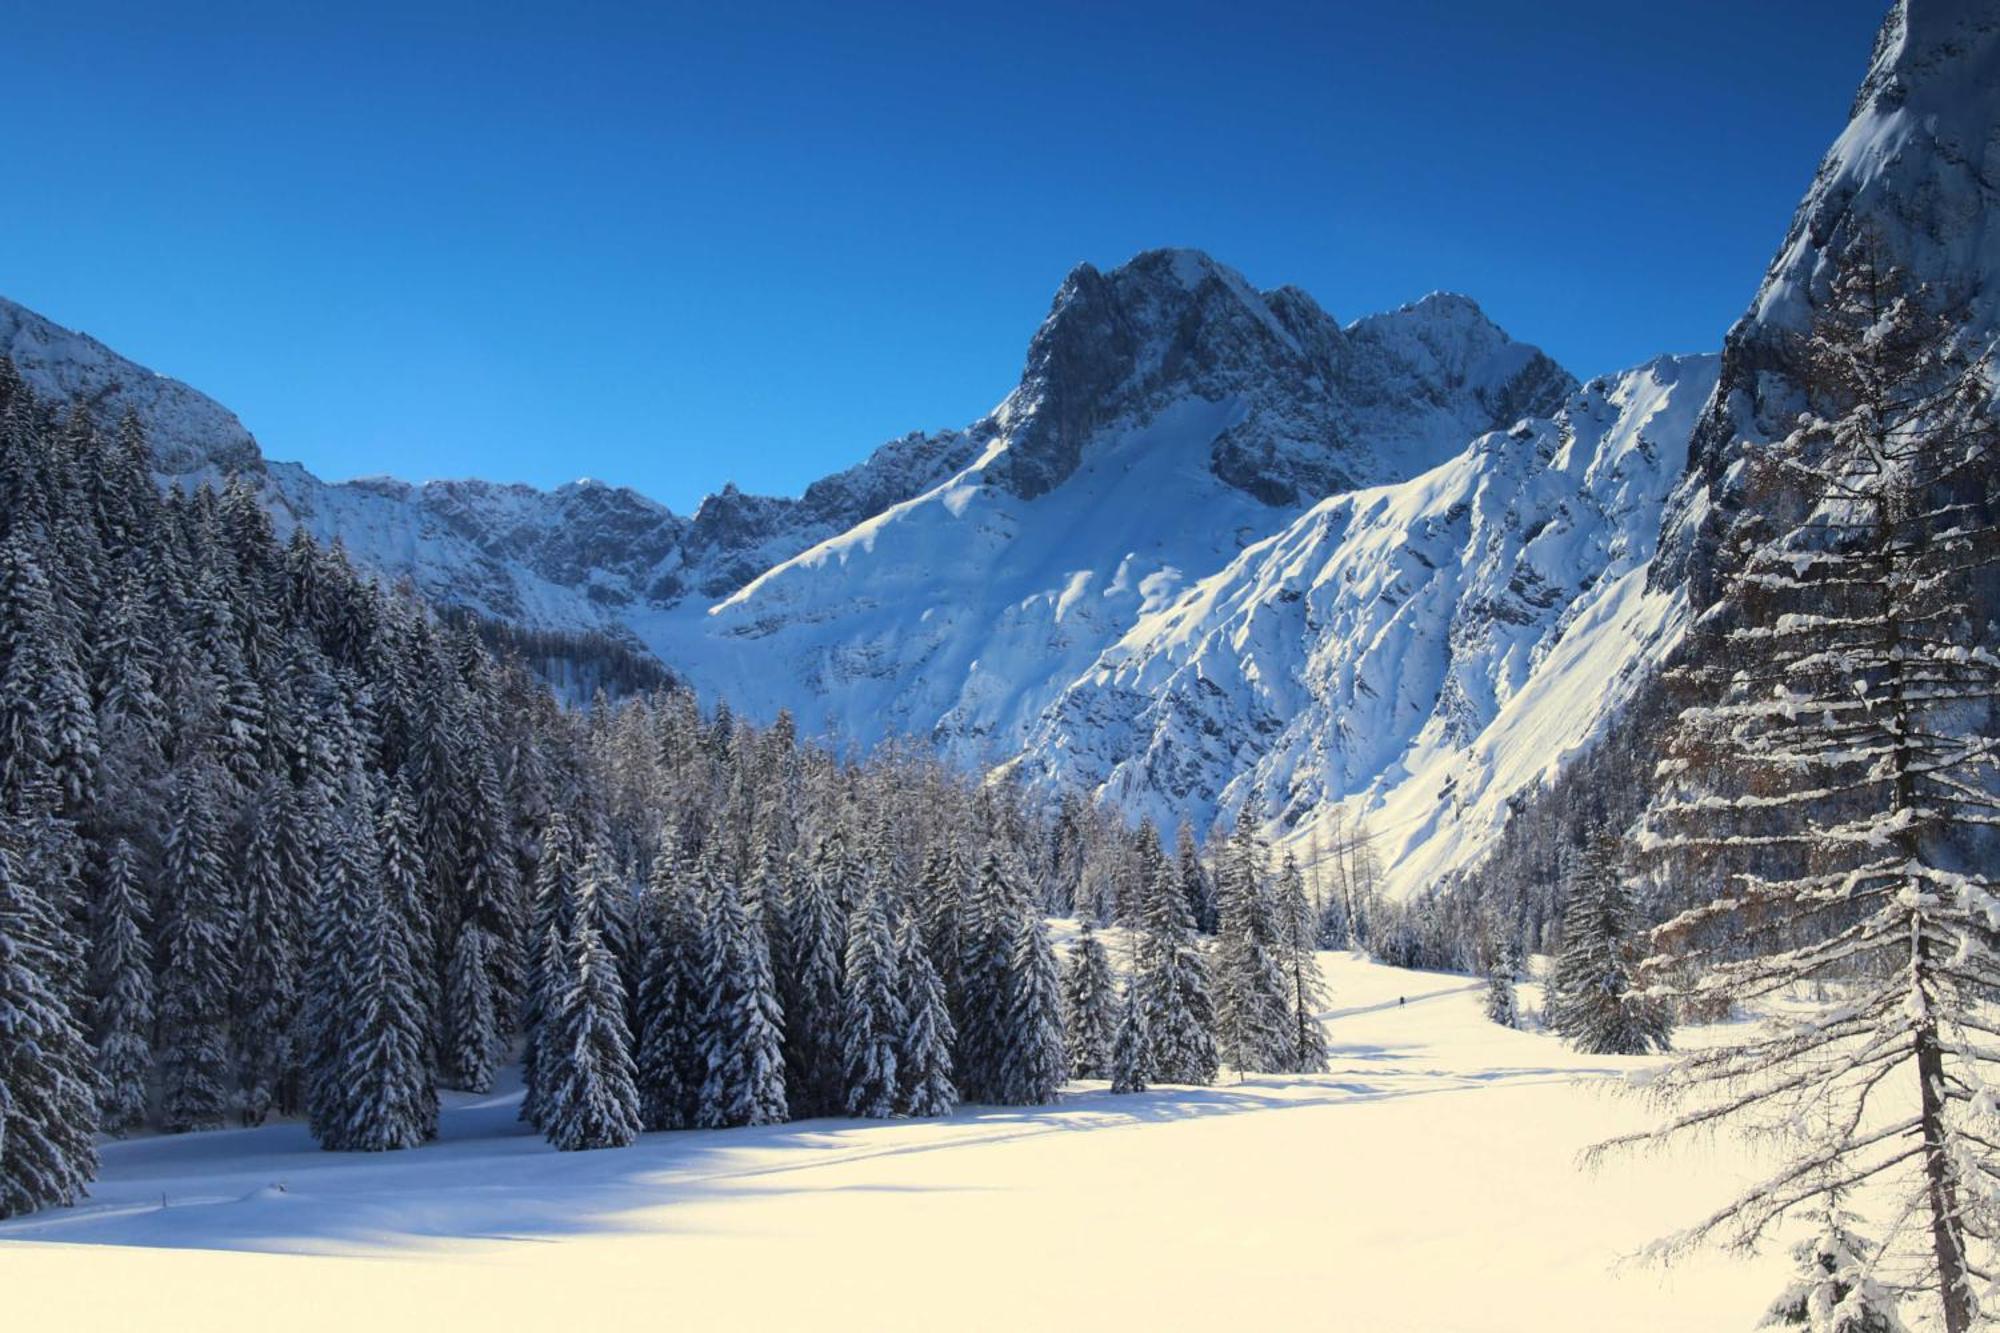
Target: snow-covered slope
(1169, 417)
(189, 431)
(1416, 652)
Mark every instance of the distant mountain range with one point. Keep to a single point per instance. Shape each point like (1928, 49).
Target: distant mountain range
(1218, 551)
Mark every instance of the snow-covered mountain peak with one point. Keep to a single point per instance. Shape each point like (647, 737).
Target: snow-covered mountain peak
(1319, 407)
(1433, 308)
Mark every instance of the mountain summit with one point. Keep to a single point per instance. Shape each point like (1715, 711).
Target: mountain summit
(1323, 408)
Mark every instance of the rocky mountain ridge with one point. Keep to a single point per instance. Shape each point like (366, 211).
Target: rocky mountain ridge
(1217, 551)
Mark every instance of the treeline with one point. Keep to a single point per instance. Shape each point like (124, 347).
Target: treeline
(1523, 886)
(276, 838)
(577, 664)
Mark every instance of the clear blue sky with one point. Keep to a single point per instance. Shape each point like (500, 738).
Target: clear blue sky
(670, 245)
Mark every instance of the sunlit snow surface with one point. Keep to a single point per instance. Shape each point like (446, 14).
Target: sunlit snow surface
(1428, 1182)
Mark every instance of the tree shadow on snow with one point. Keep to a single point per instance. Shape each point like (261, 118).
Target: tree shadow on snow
(489, 1179)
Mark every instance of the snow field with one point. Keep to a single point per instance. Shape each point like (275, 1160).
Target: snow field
(1427, 1182)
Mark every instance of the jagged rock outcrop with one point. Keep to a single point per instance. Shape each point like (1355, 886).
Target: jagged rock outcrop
(1324, 408)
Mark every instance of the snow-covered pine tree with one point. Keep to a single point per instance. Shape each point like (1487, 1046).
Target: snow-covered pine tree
(1831, 1290)
(588, 1094)
(742, 1041)
(368, 1084)
(940, 906)
(130, 714)
(1068, 845)
(844, 871)
(986, 979)
(871, 1010)
(549, 936)
(668, 1003)
(268, 983)
(765, 896)
(437, 776)
(67, 720)
(617, 919)
(405, 881)
(1593, 1001)
(469, 1040)
(1298, 964)
(529, 783)
(48, 1090)
(1251, 1022)
(27, 621)
(489, 896)
(122, 980)
(48, 731)
(223, 706)
(1036, 1064)
(305, 815)
(1090, 1006)
(194, 966)
(1195, 882)
(923, 1051)
(1503, 972)
(1838, 771)
(1172, 982)
(815, 1081)
(1131, 1051)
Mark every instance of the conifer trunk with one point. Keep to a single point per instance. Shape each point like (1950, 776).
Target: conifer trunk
(1947, 1243)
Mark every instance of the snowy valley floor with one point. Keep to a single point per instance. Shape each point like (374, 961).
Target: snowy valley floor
(1428, 1182)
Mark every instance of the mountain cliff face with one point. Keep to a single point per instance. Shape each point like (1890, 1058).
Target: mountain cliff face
(1916, 172)
(1322, 408)
(1217, 551)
